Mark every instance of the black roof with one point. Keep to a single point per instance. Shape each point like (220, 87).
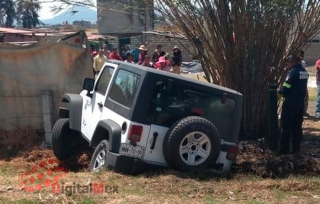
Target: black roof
(169, 74)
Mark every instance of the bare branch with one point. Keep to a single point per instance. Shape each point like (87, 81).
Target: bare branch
(238, 41)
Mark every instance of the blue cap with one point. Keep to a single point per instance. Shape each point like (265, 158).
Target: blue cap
(129, 52)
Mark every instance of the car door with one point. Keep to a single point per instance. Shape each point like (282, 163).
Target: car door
(93, 105)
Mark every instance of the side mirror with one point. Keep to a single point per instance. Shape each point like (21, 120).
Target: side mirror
(88, 84)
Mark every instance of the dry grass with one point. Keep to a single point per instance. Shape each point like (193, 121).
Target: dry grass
(167, 186)
(256, 179)
(171, 187)
(312, 95)
(311, 70)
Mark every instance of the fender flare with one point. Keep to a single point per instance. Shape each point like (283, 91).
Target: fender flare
(74, 107)
(113, 137)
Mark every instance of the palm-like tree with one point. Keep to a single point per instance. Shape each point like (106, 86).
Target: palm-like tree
(28, 13)
(7, 13)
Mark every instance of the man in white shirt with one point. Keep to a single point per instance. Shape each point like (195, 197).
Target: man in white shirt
(99, 61)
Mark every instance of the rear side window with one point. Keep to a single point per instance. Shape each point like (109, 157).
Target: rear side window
(124, 87)
(172, 101)
(104, 80)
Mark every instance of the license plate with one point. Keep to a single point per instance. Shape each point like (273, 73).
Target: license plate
(131, 151)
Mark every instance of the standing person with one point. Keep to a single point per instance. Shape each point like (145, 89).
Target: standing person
(99, 61)
(317, 66)
(162, 64)
(129, 56)
(93, 55)
(106, 50)
(147, 62)
(304, 65)
(158, 53)
(301, 56)
(125, 49)
(176, 60)
(142, 53)
(114, 54)
(294, 93)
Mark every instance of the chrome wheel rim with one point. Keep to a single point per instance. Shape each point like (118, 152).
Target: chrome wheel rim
(195, 148)
(100, 160)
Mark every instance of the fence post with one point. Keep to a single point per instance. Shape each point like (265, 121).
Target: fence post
(273, 117)
(47, 97)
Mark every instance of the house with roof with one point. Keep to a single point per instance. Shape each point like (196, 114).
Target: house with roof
(312, 51)
(12, 35)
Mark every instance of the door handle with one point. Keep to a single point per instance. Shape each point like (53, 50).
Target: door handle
(155, 135)
(100, 104)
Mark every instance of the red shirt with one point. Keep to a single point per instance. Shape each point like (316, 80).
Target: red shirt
(318, 71)
(115, 56)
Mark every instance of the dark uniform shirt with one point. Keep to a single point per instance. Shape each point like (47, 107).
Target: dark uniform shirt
(177, 58)
(295, 86)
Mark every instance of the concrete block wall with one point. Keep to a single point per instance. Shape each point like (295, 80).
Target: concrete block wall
(152, 39)
(118, 19)
(113, 41)
(168, 42)
(136, 41)
(312, 54)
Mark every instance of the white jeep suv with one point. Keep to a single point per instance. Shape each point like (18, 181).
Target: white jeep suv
(134, 115)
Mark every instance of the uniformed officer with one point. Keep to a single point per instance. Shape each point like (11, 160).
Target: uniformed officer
(294, 92)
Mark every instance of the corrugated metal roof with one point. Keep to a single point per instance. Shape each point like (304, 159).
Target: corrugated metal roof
(36, 32)
(51, 34)
(94, 36)
(13, 30)
(165, 33)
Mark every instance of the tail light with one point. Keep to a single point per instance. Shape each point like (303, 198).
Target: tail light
(135, 133)
(232, 152)
(197, 111)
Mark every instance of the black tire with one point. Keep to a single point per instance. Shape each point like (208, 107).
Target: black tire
(177, 148)
(64, 139)
(99, 158)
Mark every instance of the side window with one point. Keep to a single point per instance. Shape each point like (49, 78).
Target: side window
(172, 101)
(104, 80)
(124, 88)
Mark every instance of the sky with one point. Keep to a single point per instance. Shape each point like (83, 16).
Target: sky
(45, 12)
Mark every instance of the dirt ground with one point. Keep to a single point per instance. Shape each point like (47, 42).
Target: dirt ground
(255, 159)
(259, 176)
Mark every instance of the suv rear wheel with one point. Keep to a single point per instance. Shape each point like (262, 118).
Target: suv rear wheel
(191, 144)
(99, 157)
(63, 139)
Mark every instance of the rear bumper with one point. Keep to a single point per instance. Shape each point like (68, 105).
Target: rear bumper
(227, 157)
(125, 164)
(224, 164)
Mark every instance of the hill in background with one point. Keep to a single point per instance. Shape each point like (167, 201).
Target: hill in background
(83, 13)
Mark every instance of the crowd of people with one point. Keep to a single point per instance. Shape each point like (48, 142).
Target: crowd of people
(159, 60)
(294, 89)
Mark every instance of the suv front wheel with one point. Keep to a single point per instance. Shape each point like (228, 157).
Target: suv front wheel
(99, 157)
(64, 139)
(192, 143)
